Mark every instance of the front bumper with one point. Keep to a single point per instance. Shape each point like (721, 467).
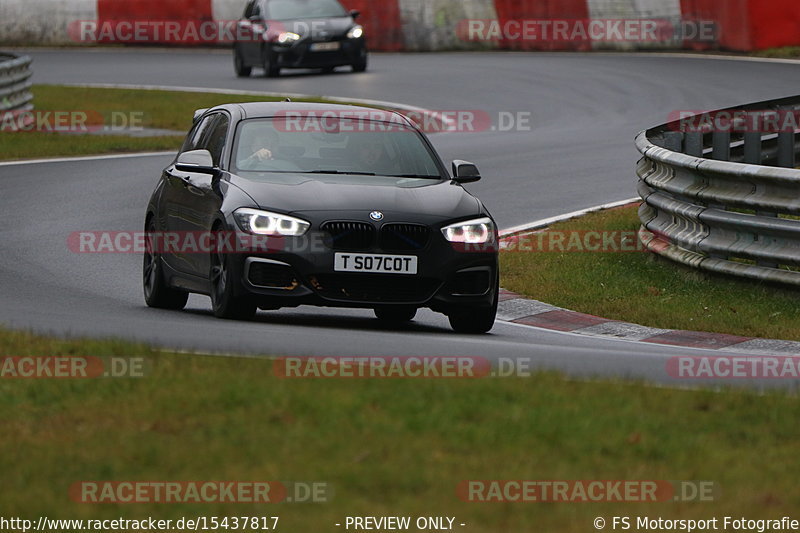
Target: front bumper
(297, 272)
(301, 54)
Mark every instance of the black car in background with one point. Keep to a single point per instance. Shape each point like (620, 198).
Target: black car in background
(320, 204)
(316, 34)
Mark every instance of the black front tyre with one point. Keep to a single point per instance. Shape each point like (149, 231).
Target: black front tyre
(238, 64)
(271, 69)
(396, 314)
(156, 292)
(475, 319)
(224, 302)
(360, 65)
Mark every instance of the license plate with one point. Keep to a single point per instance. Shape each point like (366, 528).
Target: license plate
(380, 264)
(325, 47)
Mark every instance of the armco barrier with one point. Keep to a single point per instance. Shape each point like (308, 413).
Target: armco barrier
(15, 83)
(725, 197)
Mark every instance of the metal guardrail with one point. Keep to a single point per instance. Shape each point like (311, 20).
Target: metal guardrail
(15, 83)
(727, 199)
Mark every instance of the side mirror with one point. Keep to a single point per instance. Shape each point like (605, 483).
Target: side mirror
(198, 162)
(355, 13)
(465, 172)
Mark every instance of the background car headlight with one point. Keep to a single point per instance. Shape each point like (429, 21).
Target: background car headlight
(288, 37)
(479, 231)
(355, 32)
(267, 223)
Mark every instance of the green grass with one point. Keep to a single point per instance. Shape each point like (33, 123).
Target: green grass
(786, 52)
(157, 109)
(645, 289)
(386, 447)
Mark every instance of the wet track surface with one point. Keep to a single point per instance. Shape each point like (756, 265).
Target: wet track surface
(584, 109)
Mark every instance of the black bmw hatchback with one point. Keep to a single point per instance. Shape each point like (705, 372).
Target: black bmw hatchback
(276, 34)
(272, 205)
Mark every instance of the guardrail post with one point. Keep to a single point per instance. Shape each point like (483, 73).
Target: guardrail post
(693, 143)
(752, 147)
(673, 141)
(786, 154)
(722, 146)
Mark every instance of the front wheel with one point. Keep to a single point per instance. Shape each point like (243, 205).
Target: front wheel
(475, 319)
(224, 302)
(238, 64)
(271, 70)
(156, 292)
(360, 65)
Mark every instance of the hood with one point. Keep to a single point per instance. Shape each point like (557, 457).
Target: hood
(296, 194)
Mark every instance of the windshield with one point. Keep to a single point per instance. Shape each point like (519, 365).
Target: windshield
(304, 9)
(332, 145)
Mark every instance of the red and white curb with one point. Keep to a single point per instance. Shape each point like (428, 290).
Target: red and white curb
(519, 310)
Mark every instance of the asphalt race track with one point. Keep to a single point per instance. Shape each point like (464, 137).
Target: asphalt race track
(585, 111)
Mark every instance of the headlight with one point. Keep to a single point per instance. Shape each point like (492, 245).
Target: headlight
(479, 231)
(266, 223)
(288, 37)
(355, 32)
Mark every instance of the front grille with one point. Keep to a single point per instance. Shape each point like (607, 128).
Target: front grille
(349, 235)
(271, 275)
(404, 237)
(374, 288)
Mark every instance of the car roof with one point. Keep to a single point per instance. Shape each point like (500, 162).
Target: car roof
(251, 110)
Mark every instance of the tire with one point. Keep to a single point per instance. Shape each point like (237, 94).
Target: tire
(224, 302)
(270, 69)
(475, 320)
(400, 313)
(360, 65)
(238, 65)
(157, 293)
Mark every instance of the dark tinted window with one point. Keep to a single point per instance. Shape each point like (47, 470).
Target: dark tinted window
(217, 134)
(248, 11)
(195, 137)
(333, 145)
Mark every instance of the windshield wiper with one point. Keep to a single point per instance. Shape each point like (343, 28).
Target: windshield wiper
(340, 172)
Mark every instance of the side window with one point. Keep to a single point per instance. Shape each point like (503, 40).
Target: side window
(195, 138)
(214, 142)
(248, 11)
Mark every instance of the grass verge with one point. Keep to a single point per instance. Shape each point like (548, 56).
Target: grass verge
(645, 289)
(786, 52)
(164, 110)
(386, 447)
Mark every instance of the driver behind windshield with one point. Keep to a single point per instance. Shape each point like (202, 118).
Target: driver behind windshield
(257, 148)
